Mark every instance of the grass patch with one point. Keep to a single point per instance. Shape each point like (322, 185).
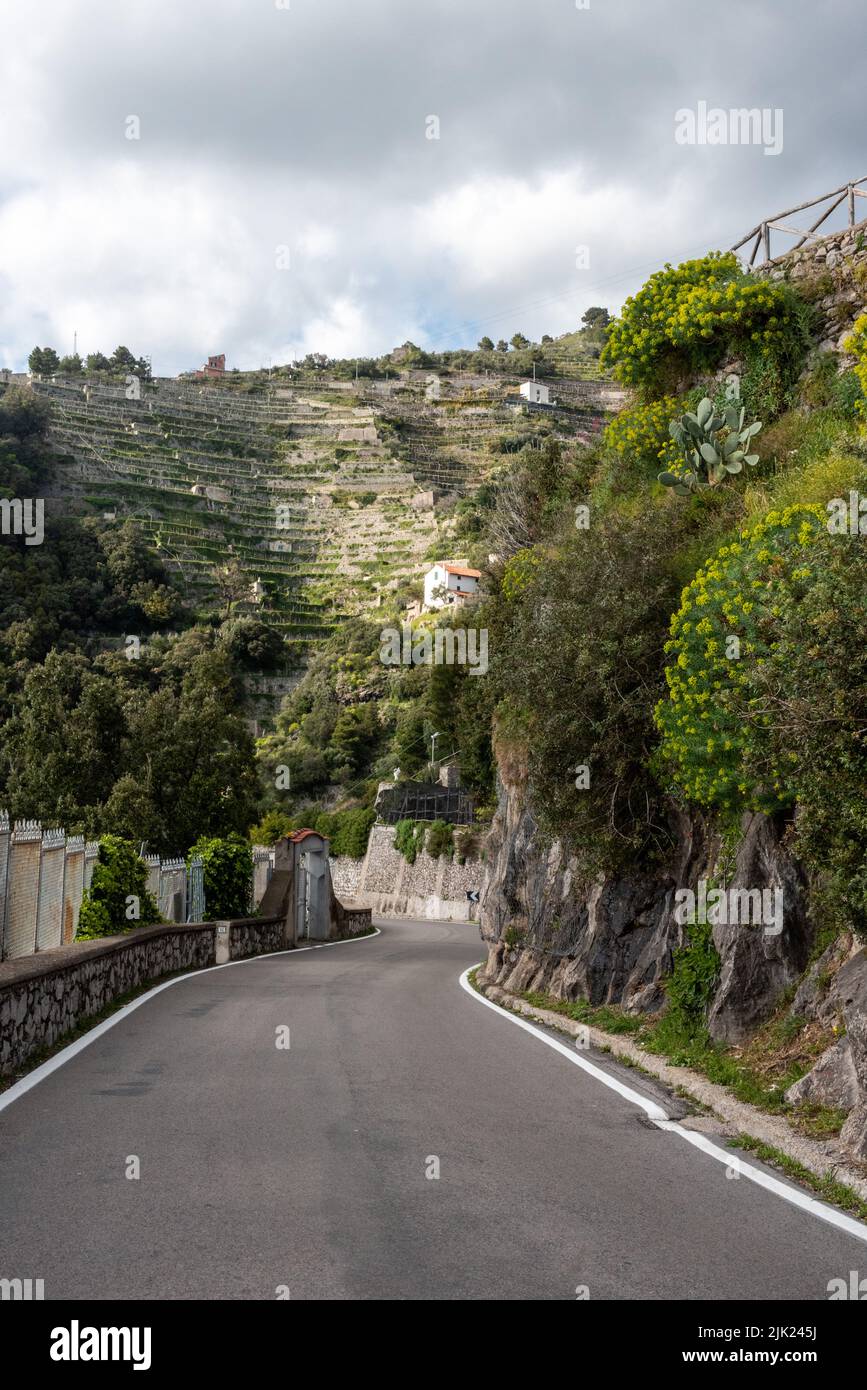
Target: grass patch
(610, 1020)
(759, 1073)
(833, 1192)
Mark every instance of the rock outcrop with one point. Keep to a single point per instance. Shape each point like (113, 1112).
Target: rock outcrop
(611, 940)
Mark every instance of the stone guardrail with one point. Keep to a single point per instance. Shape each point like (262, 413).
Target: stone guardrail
(45, 996)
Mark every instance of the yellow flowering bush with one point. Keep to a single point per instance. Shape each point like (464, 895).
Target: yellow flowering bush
(640, 435)
(714, 722)
(685, 319)
(856, 343)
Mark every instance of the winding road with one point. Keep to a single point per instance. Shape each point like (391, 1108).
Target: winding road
(268, 1171)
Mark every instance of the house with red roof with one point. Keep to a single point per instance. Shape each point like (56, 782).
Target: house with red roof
(448, 584)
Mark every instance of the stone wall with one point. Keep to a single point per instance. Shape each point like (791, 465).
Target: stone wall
(351, 920)
(837, 267)
(434, 889)
(256, 938)
(44, 996)
(345, 875)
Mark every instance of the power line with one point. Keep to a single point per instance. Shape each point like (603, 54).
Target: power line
(471, 324)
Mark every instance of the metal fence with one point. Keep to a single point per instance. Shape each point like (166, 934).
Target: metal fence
(425, 801)
(44, 875)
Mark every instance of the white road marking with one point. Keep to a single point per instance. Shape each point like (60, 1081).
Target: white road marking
(72, 1049)
(661, 1120)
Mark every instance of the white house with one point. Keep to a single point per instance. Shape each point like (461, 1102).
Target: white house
(449, 584)
(536, 391)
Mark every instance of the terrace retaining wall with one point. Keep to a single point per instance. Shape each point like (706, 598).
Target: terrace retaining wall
(431, 889)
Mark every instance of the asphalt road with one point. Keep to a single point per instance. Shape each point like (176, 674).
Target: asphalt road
(305, 1167)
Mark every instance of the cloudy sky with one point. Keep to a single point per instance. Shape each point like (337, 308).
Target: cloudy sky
(285, 194)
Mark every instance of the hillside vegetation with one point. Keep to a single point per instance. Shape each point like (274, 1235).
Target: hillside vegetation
(231, 538)
(671, 620)
(698, 640)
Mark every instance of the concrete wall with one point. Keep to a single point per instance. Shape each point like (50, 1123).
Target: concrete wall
(43, 996)
(386, 883)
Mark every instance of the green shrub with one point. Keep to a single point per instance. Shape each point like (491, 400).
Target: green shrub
(640, 436)
(689, 989)
(409, 838)
(440, 840)
(519, 571)
(117, 899)
(228, 871)
(765, 383)
(271, 828)
(578, 669)
(94, 920)
(346, 831)
(856, 343)
(815, 692)
(829, 388)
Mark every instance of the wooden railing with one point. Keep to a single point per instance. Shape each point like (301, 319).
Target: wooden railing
(761, 235)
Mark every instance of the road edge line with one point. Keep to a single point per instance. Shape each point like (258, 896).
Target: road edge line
(728, 1157)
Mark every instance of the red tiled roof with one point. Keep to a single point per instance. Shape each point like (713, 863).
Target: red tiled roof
(462, 569)
(302, 835)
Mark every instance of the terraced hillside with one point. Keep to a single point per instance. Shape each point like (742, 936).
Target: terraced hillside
(301, 503)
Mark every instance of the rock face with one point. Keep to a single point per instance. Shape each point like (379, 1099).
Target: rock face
(611, 941)
(851, 989)
(758, 965)
(833, 1080)
(834, 993)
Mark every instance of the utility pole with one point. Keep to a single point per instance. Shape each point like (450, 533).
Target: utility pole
(433, 740)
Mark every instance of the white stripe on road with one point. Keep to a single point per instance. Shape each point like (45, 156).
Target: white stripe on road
(67, 1053)
(650, 1108)
(661, 1120)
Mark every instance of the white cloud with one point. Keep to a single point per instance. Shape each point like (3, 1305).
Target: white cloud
(305, 128)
